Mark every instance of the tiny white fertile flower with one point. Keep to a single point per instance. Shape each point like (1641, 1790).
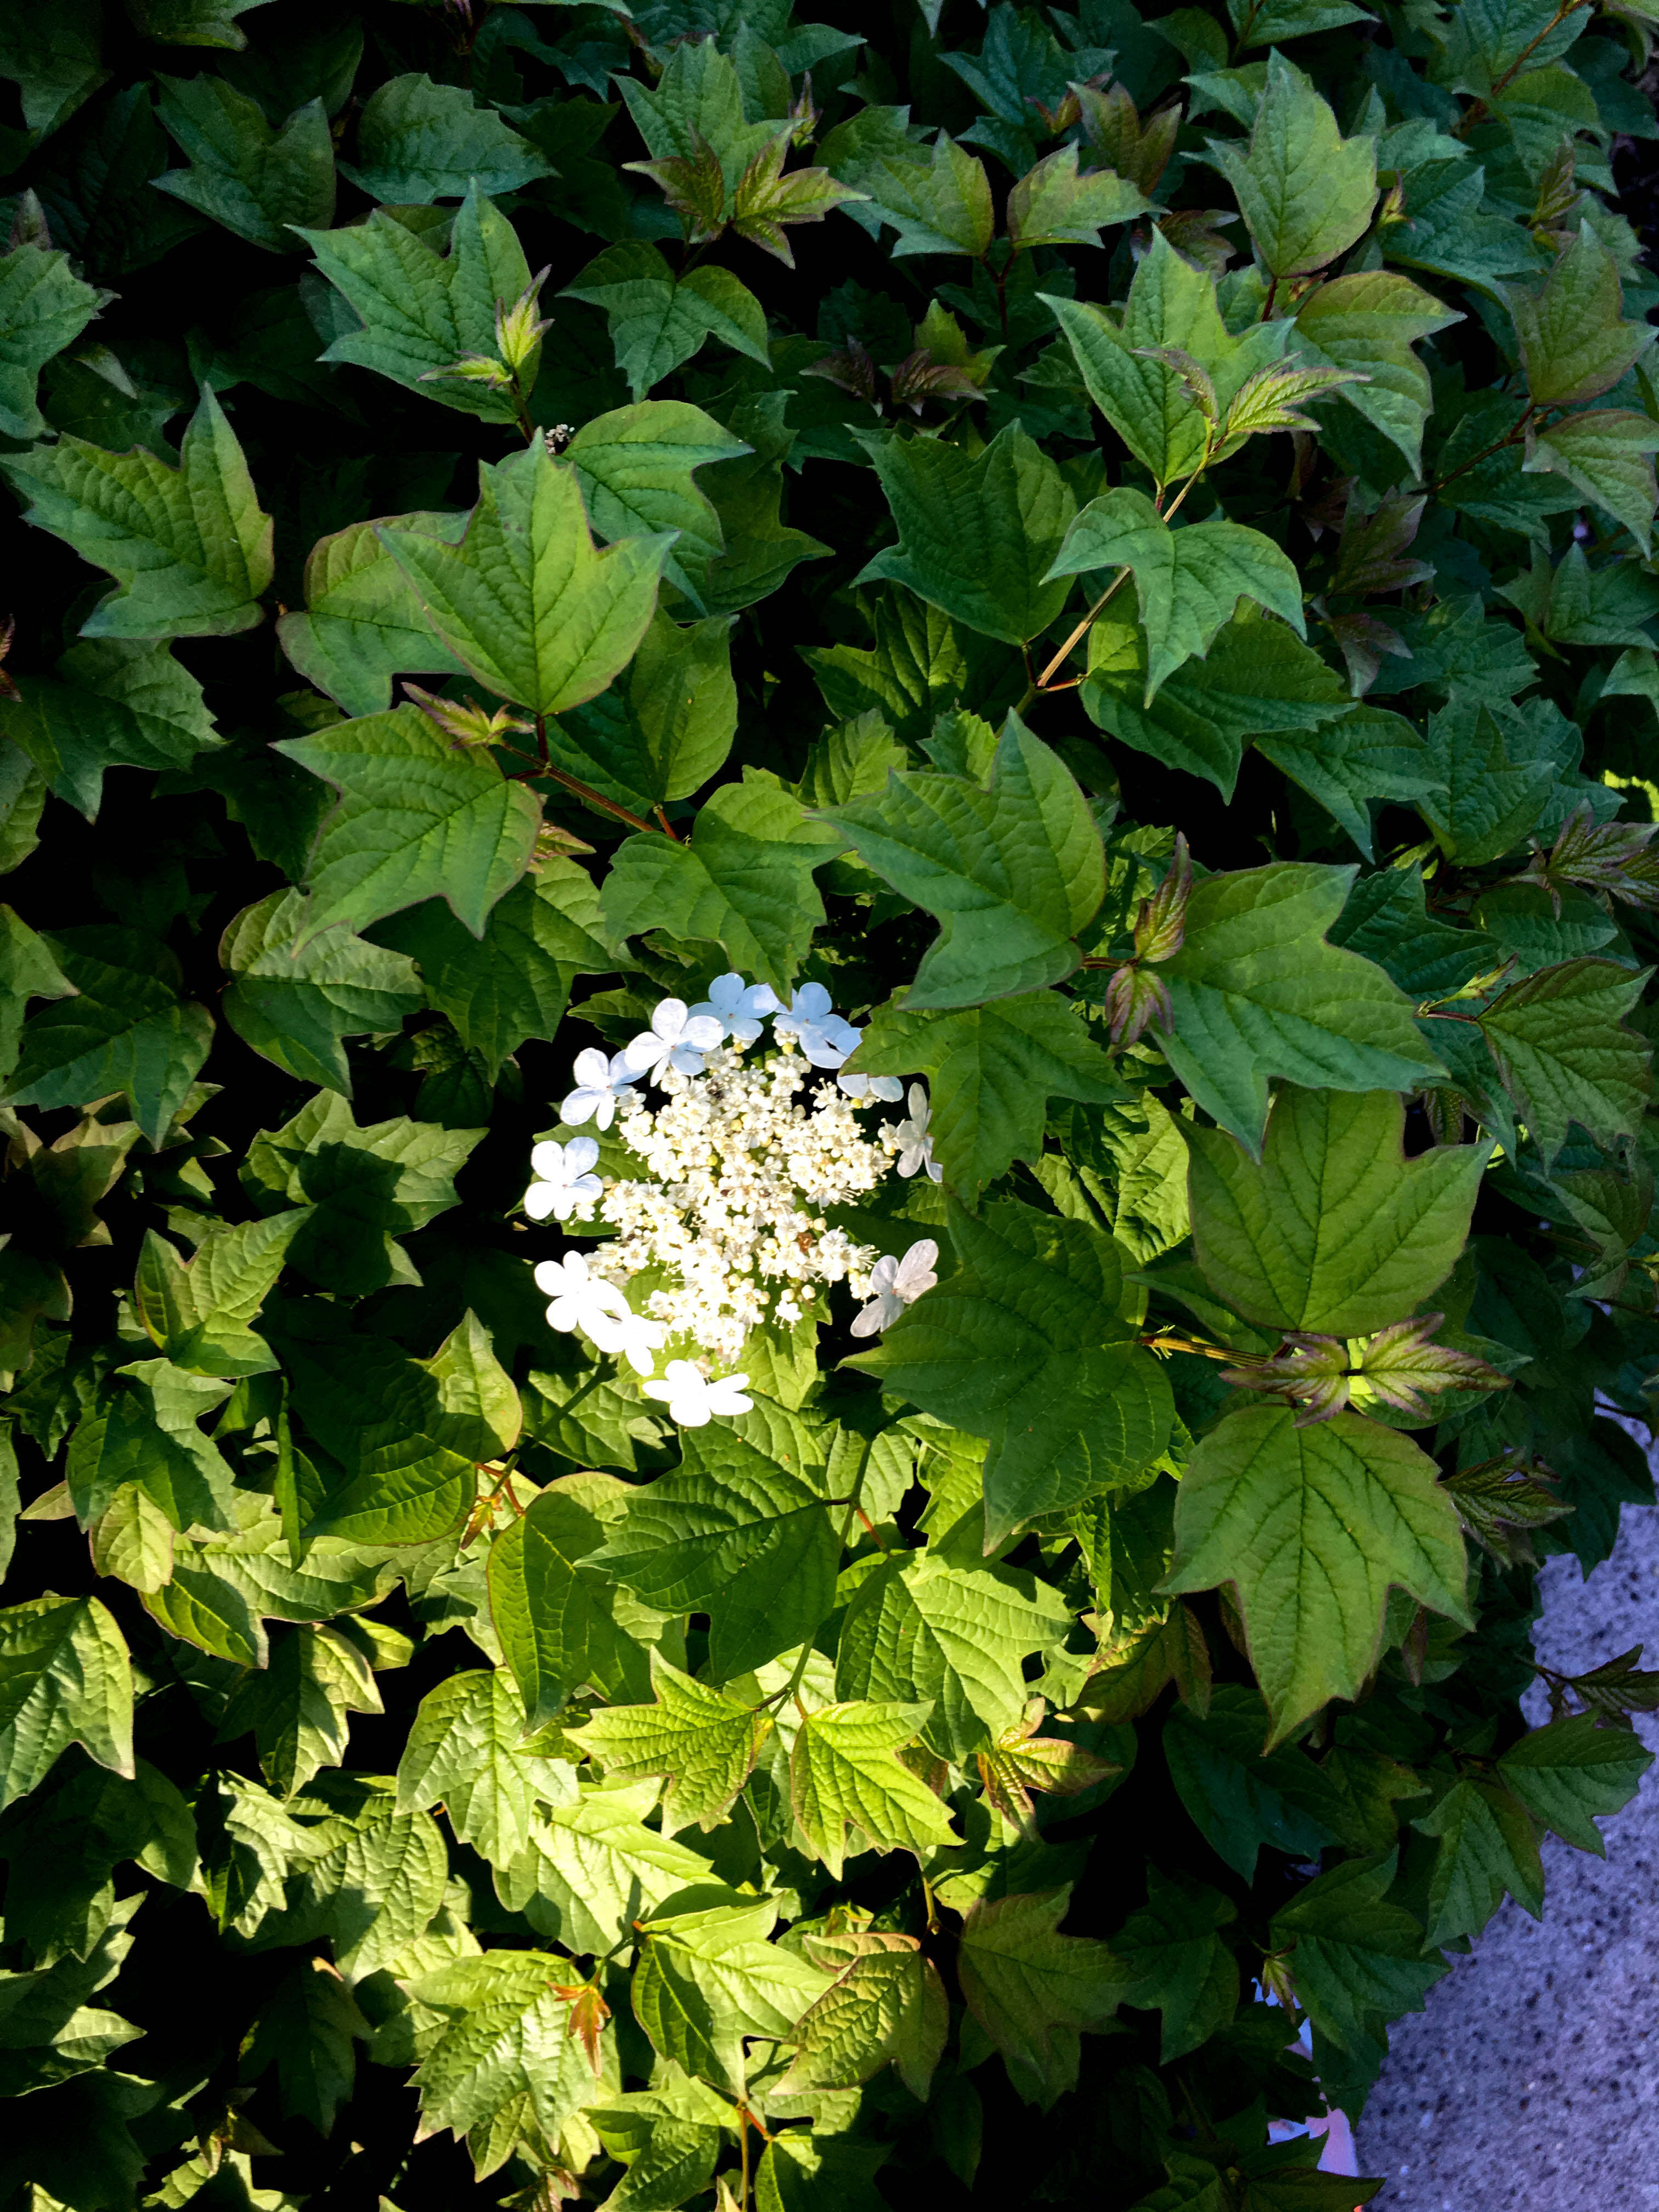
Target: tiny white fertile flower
(629, 1336)
(602, 1085)
(915, 1145)
(739, 1007)
(580, 1298)
(563, 1179)
(824, 1037)
(863, 1090)
(895, 1284)
(693, 1401)
(677, 1038)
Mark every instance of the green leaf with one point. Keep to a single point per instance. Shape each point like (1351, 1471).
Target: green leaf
(307, 2029)
(189, 547)
(1370, 754)
(419, 818)
(125, 1030)
(920, 1630)
(743, 879)
(1020, 1346)
(223, 1587)
(193, 22)
(1258, 991)
(199, 1313)
(1575, 345)
(736, 1535)
(635, 468)
(1054, 206)
(663, 732)
(1359, 1960)
(801, 2172)
(1564, 1054)
(705, 1742)
(467, 1751)
(44, 308)
(54, 60)
(1486, 1844)
(294, 994)
(886, 2006)
(420, 310)
(504, 2057)
(1606, 454)
(844, 1774)
(698, 102)
(555, 1609)
(1013, 869)
(1174, 1958)
(1571, 1772)
(1306, 192)
(1257, 679)
(592, 1867)
(418, 142)
(298, 1705)
(1270, 22)
(1368, 322)
(1189, 581)
(65, 1678)
(659, 321)
(943, 206)
(1334, 1231)
(149, 1434)
(366, 1187)
(669, 2146)
(109, 703)
(1239, 1796)
(362, 624)
(513, 983)
(760, 549)
(706, 1979)
(258, 182)
(1033, 1990)
(1487, 801)
(1312, 1527)
(990, 1070)
(1172, 305)
(977, 535)
(525, 601)
(27, 971)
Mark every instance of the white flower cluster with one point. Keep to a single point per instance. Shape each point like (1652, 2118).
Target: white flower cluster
(740, 1160)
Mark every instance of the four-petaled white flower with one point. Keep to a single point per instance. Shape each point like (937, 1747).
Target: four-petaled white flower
(563, 1179)
(822, 1035)
(915, 1145)
(894, 1284)
(739, 1007)
(864, 1090)
(677, 1038)
(629, 1336)
(580, 1298)
(694, 1399)
(602, 1085)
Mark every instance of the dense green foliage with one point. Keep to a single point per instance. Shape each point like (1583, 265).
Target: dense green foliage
(1116, 555)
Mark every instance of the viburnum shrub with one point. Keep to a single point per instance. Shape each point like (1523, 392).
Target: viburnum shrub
(825, 1076)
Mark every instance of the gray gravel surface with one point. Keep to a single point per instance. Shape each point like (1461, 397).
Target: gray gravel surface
(1532, 2077)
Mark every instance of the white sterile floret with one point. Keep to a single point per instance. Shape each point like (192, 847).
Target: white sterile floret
(895, 1284)
(822, 1035)
(915, 1145)
(867, 1088)
(677, 1039)
(563, 1185)
(627, 1336)
(728, 1216)
(602, 1085)
(579, 1296)
(693, 1399)
(739, 1007)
